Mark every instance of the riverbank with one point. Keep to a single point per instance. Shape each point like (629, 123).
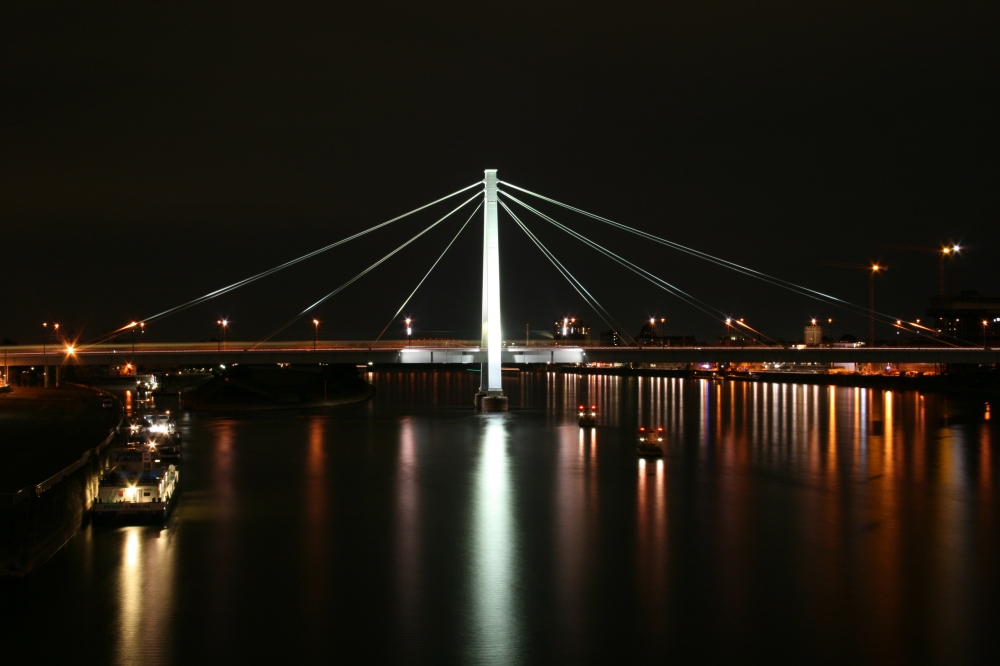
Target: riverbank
(52, 443)
(44, 430)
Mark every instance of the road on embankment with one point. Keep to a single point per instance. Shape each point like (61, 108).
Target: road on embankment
(43, 431)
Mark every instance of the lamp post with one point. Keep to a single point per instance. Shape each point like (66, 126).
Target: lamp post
(45, 356)
(986, 327)
(729, 333)
(946, 253)
(223, 324)
(55, 339)
(409, 331)
(871, 303)
(315, 333)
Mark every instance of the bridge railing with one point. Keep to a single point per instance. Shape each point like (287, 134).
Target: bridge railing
(57, 352)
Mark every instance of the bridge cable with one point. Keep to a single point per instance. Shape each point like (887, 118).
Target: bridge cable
(364, 272)
(802, 291)
(237, 285)
(785, 284)
(638, 270)
(427, 274)
(576, 284)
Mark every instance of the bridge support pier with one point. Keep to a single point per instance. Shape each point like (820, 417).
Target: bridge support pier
(490, 397)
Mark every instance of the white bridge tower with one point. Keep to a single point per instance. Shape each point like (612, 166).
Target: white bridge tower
(491, 397)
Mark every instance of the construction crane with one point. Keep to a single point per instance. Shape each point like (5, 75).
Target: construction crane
(944, 251)
(873, 270)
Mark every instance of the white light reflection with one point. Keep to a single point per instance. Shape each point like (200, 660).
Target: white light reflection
(408, 527)
(146, 587)
(496, 632)
(652, 550)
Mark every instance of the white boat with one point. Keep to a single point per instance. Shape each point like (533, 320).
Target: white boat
(137, 487)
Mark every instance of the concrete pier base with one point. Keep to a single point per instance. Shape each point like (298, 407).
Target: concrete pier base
(491, 402)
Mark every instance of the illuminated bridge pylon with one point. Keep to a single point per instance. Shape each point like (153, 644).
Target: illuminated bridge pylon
(490, 397)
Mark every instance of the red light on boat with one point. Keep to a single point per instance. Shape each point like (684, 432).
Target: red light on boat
(659, 429)
(642, 430)
(593, 408)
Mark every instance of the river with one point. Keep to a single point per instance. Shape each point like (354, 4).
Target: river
(785, 522)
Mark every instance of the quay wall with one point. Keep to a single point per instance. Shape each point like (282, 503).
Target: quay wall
(36, 521)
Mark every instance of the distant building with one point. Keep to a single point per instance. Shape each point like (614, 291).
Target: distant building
(568, 328)
(962, 317)
(735, 337)
(611, 339)
(813, 335)
(651, 336)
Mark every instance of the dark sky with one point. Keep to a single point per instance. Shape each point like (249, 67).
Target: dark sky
(150, 153)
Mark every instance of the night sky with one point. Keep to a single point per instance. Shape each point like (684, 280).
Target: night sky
(152, 153)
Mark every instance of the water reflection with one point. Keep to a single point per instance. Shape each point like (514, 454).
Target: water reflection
(495, 613)
(577, 522)
(652, 542)
(315, 512)
(408, 529)
(145, 597)
(224, 546)
(783, 522)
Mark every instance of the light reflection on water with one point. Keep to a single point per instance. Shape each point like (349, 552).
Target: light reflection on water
(145, 592)
(496, 616)
(784, 521)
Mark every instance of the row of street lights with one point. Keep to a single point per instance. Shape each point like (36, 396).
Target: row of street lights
(224, 326)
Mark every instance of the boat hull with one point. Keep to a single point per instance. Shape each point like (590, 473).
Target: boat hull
(132, 513)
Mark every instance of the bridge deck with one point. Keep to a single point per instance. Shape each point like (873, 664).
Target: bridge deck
(170, 354)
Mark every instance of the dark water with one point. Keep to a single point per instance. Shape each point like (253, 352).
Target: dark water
(410, 529)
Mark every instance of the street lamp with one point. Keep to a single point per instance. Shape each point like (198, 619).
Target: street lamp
(45, 356)
(871, 302)
(409, 331)
(729, 332)
(986, 327)
(947, 252)
(223, 324)
(315, 333)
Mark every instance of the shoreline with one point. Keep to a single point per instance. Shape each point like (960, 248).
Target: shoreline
(41, 517)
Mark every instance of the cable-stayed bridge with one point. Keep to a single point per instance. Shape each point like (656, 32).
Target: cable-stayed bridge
(490, 351)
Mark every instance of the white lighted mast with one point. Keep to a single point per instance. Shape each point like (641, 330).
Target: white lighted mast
(492, 336)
